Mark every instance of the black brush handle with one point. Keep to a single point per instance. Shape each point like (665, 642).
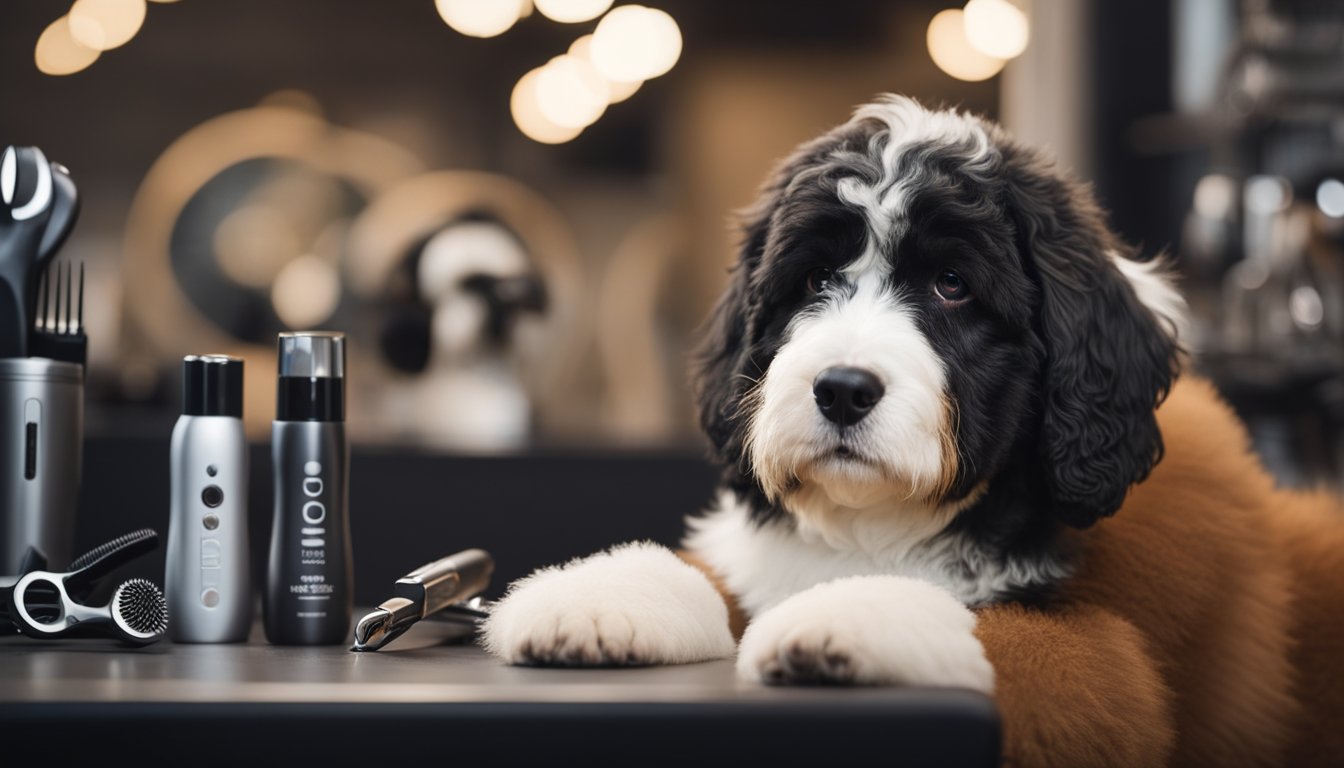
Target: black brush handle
(84, 573)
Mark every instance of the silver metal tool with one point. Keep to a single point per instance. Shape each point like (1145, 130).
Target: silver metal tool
(449, 584)
(41, 457)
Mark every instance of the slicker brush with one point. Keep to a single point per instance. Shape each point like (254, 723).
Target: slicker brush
(139, 611)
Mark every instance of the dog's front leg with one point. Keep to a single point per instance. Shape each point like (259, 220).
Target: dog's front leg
(868, 630)
(1074, 686)
(635, 604)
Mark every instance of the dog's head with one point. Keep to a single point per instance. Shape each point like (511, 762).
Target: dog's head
(922, 304)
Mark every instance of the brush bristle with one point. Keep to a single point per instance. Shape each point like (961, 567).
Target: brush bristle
(141, 606)
(103, 550)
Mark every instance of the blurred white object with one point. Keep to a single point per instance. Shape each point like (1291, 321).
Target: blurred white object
(471, 285)
(996, 28)
(952, 51)
(481, 18)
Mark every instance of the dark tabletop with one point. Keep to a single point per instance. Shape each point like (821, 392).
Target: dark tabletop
(429, 696)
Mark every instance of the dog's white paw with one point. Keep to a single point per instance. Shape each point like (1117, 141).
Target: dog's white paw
(867, 630)
(634, 604)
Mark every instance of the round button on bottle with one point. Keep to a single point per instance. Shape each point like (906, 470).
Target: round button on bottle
(212, 496)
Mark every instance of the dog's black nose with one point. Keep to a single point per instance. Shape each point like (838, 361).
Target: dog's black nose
(846, 395)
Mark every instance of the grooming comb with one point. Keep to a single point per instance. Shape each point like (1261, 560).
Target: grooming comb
(58, 328)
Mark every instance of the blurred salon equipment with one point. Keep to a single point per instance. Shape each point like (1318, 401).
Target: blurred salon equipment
(42, 355)
(645, 321)
(470, 283)
(454, 303)
(1263, 244)
(237, 233)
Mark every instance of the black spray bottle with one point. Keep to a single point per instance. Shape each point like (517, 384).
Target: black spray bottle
(308, 598)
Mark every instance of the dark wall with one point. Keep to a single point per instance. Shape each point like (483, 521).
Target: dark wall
(410, 508)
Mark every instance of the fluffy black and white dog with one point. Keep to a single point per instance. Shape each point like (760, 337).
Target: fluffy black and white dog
(933, 361)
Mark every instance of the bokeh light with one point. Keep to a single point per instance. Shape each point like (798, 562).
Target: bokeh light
(634, 43)
(996, 28)
(1265, 194)
(106, 24)
(572, 11)
(617, 90)
(253, 243)
(527, 114)
(1330, 198)
(570, 92)
(1215, 196)
(481, 18)
(1305, 307)
(306, 292)
(954, 54)
(59, 53)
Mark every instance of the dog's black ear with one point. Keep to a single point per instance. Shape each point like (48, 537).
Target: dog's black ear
(719, 378)
(1108, 361)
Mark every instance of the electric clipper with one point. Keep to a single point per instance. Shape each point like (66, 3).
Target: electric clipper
(450, 584)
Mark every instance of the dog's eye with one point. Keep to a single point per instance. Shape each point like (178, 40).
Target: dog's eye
(819, 280)
(950, 287)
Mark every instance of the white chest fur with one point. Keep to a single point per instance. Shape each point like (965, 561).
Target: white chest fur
(765, 564)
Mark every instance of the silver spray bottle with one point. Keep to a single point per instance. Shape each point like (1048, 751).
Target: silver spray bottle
(207, 580)
(309, 595)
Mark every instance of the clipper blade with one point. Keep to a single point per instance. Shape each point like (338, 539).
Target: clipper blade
(375, 630)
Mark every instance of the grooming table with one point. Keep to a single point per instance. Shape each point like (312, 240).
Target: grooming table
(430, 700)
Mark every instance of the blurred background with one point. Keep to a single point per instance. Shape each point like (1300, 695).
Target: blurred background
(521, 211)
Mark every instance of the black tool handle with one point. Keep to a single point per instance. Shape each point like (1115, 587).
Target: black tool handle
(93, 565)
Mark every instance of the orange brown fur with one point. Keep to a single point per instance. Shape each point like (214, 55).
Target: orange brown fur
(1221, 581)
(737, 618)
(1203, 627)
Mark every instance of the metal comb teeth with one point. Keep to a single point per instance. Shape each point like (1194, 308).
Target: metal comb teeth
(60, 308)
(58, 326)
